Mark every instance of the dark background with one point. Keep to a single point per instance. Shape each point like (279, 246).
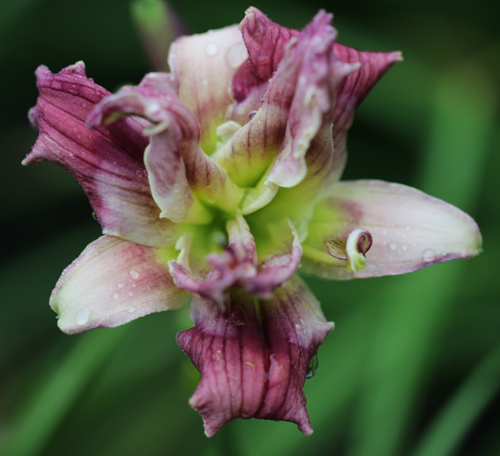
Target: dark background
(413, 366)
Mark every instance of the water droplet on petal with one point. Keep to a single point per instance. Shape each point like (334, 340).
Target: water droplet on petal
(393, 245)
(384, 232)
(134, 274)
(236, 55)
(82, 317)
(131, 309)
(428, 255)
(211, 48)
(120, 285)
(251, 114)
(176, 188)
(407, 228)
(138, 173)
(313, 367)
(115, 295)
(404, 246)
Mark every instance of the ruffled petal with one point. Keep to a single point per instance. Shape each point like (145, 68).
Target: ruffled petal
(309, 127)
(111, 283)
(176, 165)
(254, 363)
(266, 42)
(205, 64)
(107, 163)
(238, 266)
(252, 148)
(409, 229)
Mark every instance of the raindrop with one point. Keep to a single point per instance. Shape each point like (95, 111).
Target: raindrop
(211, 48)
(404, 246)
(393, 245)
(251, 114)
(115, 295)
(236, 55)
(428, 255)
(82, 317)
(176, 188)
(313, 367)
(134, 274)
(138, 173)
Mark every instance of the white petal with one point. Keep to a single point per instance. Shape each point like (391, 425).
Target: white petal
(111, 283)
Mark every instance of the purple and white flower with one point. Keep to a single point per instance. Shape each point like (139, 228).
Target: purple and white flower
(218, 182)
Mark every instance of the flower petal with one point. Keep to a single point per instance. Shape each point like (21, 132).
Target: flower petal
(111, 283)
(205, 64)
(175, 162)
(107, 163)
(252, 148)
(266, 42)
(410, 230)
(238, 266)
(309, 127)
(254, 364)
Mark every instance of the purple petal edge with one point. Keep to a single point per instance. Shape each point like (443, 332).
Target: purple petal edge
(253, 363)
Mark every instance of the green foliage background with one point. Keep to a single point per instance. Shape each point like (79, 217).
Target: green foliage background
(413, 366)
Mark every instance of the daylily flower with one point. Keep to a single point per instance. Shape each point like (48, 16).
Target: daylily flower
(219, 181)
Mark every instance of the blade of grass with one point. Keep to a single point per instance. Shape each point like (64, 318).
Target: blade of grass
(451, 425)
(41, 415)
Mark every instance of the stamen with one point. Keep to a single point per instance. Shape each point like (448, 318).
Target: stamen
(353, 250)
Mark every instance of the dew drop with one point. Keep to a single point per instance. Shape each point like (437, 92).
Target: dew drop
(428, 255)
(313, 367)
(134, 274)
(211, 48)
(384, 232)
(131, 309)
(130, 294)
(82, 317)
(176, 188)
(393, 245)
(404, 246)
(251, 114)
(115, 163)
(236, 55)
(120, 285)
(75, 129)
(138, 173)
(407, 228)
(115, 295)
